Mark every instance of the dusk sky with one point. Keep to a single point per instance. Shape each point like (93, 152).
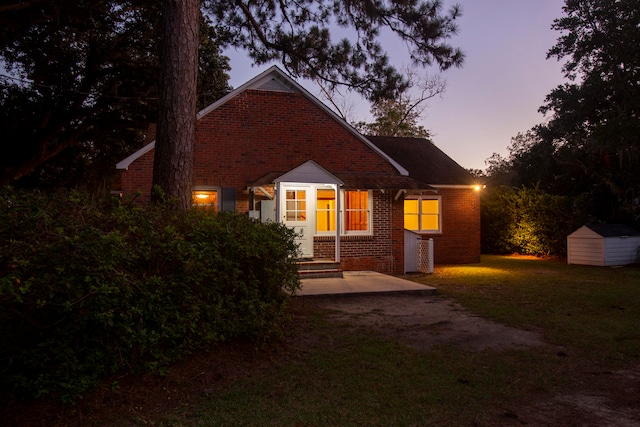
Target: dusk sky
(496, 93)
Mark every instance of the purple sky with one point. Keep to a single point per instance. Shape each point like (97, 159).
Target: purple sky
(497, 92)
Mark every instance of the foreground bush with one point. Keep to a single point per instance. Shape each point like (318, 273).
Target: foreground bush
(87, 291)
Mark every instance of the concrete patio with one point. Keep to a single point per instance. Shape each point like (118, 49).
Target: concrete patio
(361, 283)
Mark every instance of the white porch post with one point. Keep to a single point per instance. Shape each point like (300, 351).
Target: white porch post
(278, 197)
(338, 223)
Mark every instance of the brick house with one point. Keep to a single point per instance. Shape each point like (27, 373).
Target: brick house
(453, 199)
(272, 150)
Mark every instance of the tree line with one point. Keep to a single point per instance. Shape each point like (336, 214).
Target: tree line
(588, 152)
(82, 80)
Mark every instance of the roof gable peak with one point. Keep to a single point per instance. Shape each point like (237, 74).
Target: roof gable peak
(274, 79)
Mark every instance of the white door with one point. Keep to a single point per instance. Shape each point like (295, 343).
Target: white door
(297, 213)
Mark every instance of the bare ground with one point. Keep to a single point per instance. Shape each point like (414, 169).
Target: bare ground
(424, 321)
(601, 397)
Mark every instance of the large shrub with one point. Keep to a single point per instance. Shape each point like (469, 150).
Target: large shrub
(527, 221)
(88, 290)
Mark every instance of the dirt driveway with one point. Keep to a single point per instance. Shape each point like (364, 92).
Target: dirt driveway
(603, 398)
(423, 321)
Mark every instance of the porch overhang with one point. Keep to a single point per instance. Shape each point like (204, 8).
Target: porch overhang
(349, 181)
(309, 172)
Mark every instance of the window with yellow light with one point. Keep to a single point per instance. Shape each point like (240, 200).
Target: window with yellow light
(422, 214)
(325, 210)
(207, 199)
(356, 211)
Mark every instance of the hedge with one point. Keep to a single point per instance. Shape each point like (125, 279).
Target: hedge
(89, 289)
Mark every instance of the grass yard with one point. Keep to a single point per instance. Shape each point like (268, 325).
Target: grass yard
(593, 309)
(589, 315)
(335, 373)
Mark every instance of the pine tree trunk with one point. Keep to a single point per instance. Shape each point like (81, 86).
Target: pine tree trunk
(173, 162)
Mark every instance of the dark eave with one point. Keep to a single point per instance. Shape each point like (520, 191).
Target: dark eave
(358, 181)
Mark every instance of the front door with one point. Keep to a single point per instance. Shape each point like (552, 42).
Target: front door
(297, 214)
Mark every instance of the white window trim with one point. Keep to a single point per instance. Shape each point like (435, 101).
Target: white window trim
(342, 221)
(369, 230)
(420, 199)
(323, 233)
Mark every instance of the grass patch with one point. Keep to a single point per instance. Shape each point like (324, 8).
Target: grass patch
(358, 378)
(592, 309)
(367, 380)
(332, 373)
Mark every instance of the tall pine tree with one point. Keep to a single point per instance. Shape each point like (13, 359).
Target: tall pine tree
(175, 138)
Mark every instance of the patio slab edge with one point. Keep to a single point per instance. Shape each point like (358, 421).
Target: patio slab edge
(362, 283)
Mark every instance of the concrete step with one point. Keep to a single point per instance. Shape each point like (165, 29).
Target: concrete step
(320, 274)
(313, 269)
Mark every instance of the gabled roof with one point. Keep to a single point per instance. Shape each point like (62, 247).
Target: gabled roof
(613, 230)
(310, 172)
(273, 79)
(424, 161)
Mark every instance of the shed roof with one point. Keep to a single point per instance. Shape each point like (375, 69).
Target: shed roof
(613, 230)
(424, 161)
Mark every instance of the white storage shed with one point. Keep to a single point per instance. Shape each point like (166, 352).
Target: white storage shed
(603, 245)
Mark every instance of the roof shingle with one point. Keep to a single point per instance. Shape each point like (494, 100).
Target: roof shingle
(359, 181)
(613, 230)
(424, 161)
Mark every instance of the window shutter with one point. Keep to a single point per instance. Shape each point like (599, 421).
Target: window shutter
(228, 199)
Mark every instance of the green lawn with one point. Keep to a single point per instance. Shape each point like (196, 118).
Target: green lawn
(344, 378)
(594, 309)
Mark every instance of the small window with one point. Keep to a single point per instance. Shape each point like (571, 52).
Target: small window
(423, 214)
(207, 198)
(357, 212)
(325, 210)
(296, 205)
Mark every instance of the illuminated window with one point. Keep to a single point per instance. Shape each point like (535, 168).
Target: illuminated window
(206, 198)
(357, 212)
(412, 214)
(325, 210)
(422, 214)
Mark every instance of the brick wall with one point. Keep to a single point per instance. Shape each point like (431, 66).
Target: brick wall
(138, 177)
(375, 252)
(259, 132)
(459, 242)
(397, 236)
